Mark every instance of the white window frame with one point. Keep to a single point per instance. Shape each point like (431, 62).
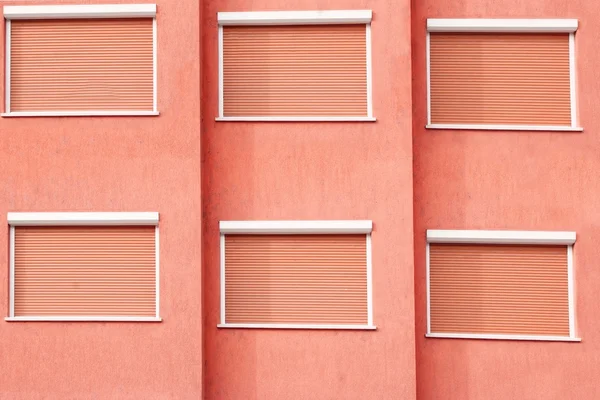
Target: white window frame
(363, 227)
(330, 17)
(505, 237)
(506, 26)
(16, 219)
(75, 12)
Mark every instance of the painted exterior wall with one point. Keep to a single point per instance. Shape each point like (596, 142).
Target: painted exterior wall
(510, 180)
(254, 171)
(115, 164)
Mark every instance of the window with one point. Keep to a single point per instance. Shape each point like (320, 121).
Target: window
(500, 285)
(296, 274)
(501, 74)
(295, 66)
(83, 267)
(80, 60)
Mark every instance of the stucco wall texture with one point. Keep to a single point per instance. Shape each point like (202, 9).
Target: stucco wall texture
(114, 164)
(262, 170)
(511, 180)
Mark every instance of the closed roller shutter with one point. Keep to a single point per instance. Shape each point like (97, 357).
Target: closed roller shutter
(296, 279)
(500, 79)
(310, 70)
(81, 65)
(85, 271)
(499, 289)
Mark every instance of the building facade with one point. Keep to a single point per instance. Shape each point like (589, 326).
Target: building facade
(253, 200)
(96, 163)
(316, 170)
(508, 180)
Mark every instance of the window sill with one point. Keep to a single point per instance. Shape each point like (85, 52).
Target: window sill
(298, 326)
(295, 119)
(83, 319)
(81, 114)
(502, 337)
(506, 127)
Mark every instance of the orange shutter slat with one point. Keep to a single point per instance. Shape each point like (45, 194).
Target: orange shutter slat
(85, 271)
(309, 70)
(499, 289)
(500, 79)
(79, 65)
(296, 279)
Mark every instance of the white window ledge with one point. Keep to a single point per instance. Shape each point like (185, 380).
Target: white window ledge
(81, 11)
(500, 237)
(80, 114)
(298, 326)
(83, 319)
(295, 119)
(506, 127)
(295, 227)
(81, 218)
(501, 25)
(502, 337)
(295, 17)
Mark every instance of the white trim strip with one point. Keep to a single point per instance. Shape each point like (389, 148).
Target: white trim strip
(222, 275)
(87, 319)
(546, 128)
(500, 237)
(221, 75)
(81, 218)
(295, 119)
(502, 337)
(157, 257)
(571, 291)
(428, 62)
(11, 312)
(428, 288)
(369, 281)
(501, 25)
(7, 68)
(154, 66)
(369, 72)
(81, 11)
(572, 80)
(79, 114)
(297, 326)
(295, 17)
(295, 227)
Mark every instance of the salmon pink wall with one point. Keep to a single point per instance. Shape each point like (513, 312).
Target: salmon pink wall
(298, 171)
(114, 164)
(511, 180)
